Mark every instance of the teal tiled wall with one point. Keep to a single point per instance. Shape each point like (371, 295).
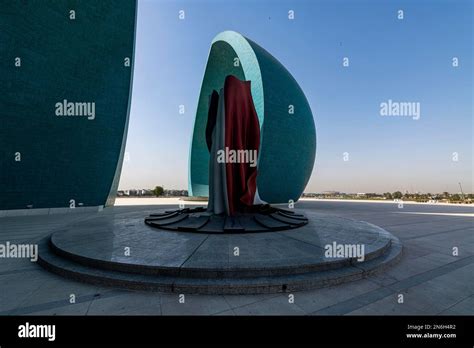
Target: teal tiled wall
(80, 60)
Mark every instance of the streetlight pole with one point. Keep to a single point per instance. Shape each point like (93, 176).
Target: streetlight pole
(462, 193)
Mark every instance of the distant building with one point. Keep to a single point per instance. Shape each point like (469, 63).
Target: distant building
(175, 193)
(331, 193)
(150, 193)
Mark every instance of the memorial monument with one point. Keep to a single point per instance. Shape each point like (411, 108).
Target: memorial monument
(254, 143)
(252, 151)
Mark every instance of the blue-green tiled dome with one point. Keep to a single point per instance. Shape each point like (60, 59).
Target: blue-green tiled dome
(288, 141)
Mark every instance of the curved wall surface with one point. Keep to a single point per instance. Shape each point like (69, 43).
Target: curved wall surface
(51, 156)
(288, 140)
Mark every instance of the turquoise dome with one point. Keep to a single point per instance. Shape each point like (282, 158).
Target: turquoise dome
(288, 140)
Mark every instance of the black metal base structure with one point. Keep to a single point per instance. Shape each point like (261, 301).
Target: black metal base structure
(264, 218)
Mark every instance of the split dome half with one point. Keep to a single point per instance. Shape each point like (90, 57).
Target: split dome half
(287, 132)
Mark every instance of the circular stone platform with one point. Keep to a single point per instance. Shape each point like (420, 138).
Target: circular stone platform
(121, 250)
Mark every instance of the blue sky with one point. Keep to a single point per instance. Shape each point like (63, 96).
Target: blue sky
(407, 60)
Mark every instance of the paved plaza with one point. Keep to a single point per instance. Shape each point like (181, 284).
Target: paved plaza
(431, 279)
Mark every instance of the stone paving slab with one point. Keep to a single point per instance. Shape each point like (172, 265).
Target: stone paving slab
(18, 284)
(463, 307)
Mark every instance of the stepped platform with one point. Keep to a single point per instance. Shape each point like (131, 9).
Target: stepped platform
(124, 251)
